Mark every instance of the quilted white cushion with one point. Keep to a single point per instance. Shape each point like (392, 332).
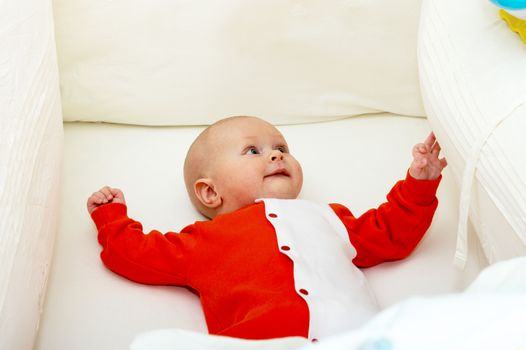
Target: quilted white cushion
(189, 62)
(30, 160)
(473, 70)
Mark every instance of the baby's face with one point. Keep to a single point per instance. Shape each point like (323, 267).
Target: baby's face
(252, 160)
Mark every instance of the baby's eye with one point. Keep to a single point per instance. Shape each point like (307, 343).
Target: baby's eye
(282, 149)
(252, 150)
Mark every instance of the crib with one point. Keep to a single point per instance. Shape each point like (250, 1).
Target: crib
(96, 93)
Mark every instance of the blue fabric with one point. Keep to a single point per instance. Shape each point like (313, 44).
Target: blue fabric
(510, 4)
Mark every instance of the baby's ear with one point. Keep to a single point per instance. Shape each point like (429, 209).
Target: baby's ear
(206, 193)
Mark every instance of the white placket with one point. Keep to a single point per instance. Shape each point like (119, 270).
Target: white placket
(315, 239)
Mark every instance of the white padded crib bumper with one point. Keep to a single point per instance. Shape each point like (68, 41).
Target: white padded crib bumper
(153, 71)
(473, 76)
(30, 164)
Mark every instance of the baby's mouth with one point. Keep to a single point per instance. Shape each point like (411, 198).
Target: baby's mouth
(279, 172)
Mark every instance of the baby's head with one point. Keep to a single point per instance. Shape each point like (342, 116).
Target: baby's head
(237, 160)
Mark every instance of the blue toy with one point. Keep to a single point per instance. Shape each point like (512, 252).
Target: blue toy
(510, 4)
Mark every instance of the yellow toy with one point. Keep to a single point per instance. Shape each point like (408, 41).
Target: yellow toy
(514, 13)
(516, 24)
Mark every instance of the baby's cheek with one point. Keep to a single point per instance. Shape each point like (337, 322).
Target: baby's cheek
(299, 179)
(245, 188)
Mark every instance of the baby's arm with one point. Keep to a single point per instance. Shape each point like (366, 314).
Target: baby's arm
(426, 165)
(151, 258)
(394, 229)
(104, 196)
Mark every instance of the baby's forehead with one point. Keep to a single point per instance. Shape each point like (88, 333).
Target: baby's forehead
(230, 134)
(243, 129)
(225, 134)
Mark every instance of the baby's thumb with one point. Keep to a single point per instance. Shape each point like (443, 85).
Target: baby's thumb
(118, 196)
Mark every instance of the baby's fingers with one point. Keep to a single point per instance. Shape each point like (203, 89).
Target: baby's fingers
(430, 140)
(117, 193)
(118, 196)
(443, 162)
(436, 149)
(418, 150)
(106, 191)
(97, 198)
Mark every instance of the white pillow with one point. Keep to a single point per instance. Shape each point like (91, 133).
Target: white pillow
(473, 77)
(191, 62)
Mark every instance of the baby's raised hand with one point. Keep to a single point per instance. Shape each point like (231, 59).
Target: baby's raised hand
(104, 196)
(426, 165)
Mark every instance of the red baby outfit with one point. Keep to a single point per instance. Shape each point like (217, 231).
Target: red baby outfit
(237, 266)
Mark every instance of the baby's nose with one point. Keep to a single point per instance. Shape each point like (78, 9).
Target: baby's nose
(275, 156)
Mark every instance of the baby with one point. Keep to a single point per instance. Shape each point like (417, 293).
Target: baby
(266, 264)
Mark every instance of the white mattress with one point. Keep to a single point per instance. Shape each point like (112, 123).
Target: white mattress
(355, 162)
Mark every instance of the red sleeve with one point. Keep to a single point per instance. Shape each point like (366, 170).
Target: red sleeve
(392, 231)
(151, 258)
